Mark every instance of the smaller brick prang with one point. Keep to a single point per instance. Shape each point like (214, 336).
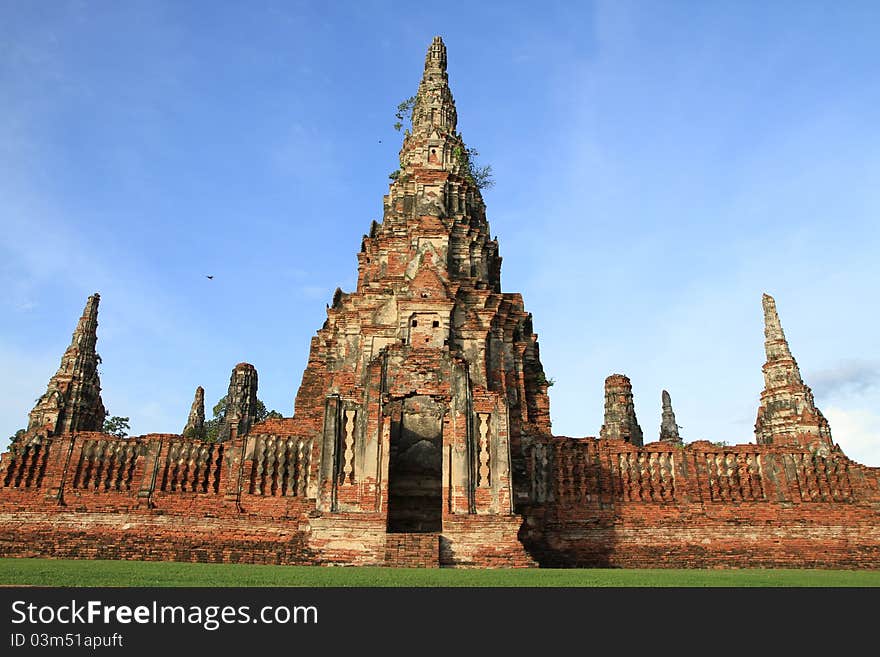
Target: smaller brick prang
(241, 402)
(668, 427)
(195, 423)
(620, 412)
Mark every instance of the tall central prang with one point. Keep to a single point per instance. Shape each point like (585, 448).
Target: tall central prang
(425, 383)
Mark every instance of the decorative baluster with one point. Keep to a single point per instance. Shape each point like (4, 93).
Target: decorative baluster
(632, 477)
(720, 479)
(205, 460)
(218, 450)
(130, 459)
(623, 468)
(44, 460)
(21, 466)
(175, 465)
(271, 466)
(711, 475)
(304, 458)
(118, 464)
(845, 483)
(583, 486)
(804, 476)
(98, 469)
(108, 461)
(348, 455)
(732, 471)
(121, 464)
(652, 474)
(114, 465)
(484, 450)
(188, 482)
(822, 478)
(744, 488)
(641, 464)
(290, 466)
(833, 480)
(282, 466)
(812, 477)
(666, 483)
(569, 474)
(90, 464)
(166, 470)
(541, 472)
(10, 471)
(258, 482)
(32, 451)
(187, 466)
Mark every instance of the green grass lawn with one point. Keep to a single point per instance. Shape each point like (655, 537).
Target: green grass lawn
(49, 572)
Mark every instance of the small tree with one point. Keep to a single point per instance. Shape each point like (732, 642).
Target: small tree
(404, 112)
(481, 176)
(117, 426)
(212, 427)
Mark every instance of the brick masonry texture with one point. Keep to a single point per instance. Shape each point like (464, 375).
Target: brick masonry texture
(421, 436)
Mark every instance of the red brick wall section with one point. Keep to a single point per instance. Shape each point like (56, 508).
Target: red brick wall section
(608, 503)
(592, 503)
(152, 537)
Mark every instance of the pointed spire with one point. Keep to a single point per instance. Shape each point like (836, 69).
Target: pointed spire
(775, 343)
(668, 427)
(436, 57)
(788, 413)
(195, 423)
(72, 401)
(435, 107)
(620, 412)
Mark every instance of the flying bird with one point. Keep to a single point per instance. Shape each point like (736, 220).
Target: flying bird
(209, 277)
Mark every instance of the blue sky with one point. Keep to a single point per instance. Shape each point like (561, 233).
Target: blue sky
(658, 166)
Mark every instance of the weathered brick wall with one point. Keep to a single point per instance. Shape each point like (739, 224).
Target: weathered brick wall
(608, 503)
(152, 537)
(592, 503)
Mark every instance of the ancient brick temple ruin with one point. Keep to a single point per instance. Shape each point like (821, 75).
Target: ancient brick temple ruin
(421, 434)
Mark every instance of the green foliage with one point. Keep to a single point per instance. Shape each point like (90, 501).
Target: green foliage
(720, 443)
(191, 432)
(404, 112)
(220, 407)
(117, 426)
(394, 175)
(13, 441)
(212, 427)
(481, 177)
(542, 380)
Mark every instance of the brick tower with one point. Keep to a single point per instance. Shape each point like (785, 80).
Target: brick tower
(424, 383)
(788, 413)
(72, 401)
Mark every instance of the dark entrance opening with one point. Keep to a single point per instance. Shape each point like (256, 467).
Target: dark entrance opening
(415, 465)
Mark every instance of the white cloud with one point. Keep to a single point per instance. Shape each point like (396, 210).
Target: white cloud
(847, 376)
(857, 431)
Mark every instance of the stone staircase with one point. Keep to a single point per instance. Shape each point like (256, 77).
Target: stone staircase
(412, 550)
